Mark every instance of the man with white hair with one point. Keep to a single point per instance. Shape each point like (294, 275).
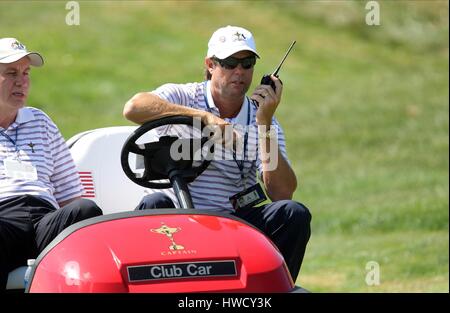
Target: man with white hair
(227, 185)
(40, 190)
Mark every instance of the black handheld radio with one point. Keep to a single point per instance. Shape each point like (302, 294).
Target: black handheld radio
(266, 80)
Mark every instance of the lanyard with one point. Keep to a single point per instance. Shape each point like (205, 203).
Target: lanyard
(239, 163)
(10, 139)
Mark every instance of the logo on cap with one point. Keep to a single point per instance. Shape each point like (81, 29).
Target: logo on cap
(17, 46)
(238, 37)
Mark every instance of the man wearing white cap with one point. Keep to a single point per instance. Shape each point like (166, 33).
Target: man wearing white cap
(40, 190)
(221, 100)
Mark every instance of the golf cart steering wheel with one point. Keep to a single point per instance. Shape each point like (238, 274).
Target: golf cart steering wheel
(158, 163)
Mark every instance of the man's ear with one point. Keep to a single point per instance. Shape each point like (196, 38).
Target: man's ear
(210, 65)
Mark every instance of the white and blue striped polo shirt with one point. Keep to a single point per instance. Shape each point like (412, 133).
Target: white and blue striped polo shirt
(39, 142)
(222, 179)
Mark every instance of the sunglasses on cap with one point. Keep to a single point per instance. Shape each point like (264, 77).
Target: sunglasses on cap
(231, 63)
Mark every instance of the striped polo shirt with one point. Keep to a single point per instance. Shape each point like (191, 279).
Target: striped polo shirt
(38, 142)
(223, 178)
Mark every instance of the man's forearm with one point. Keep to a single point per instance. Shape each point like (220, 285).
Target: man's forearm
(145, 107)
(279, 180)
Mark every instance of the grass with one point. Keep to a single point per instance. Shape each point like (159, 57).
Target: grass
(365, 111)
(407, 262)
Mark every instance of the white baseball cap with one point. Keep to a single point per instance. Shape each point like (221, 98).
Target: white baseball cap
(230, 39)
(12, 50)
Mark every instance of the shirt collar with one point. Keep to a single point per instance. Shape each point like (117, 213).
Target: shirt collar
(24, 115)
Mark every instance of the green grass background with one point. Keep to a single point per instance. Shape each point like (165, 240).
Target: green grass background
(365, 110)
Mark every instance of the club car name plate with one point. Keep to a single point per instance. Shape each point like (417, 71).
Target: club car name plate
(181, 270)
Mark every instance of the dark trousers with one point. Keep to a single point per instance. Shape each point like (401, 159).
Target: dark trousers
(28, 224)
(285, 222)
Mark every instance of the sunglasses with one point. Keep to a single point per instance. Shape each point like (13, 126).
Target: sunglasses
(231, 63)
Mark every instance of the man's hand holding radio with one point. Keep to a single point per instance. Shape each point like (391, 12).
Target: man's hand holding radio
(268, 100)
